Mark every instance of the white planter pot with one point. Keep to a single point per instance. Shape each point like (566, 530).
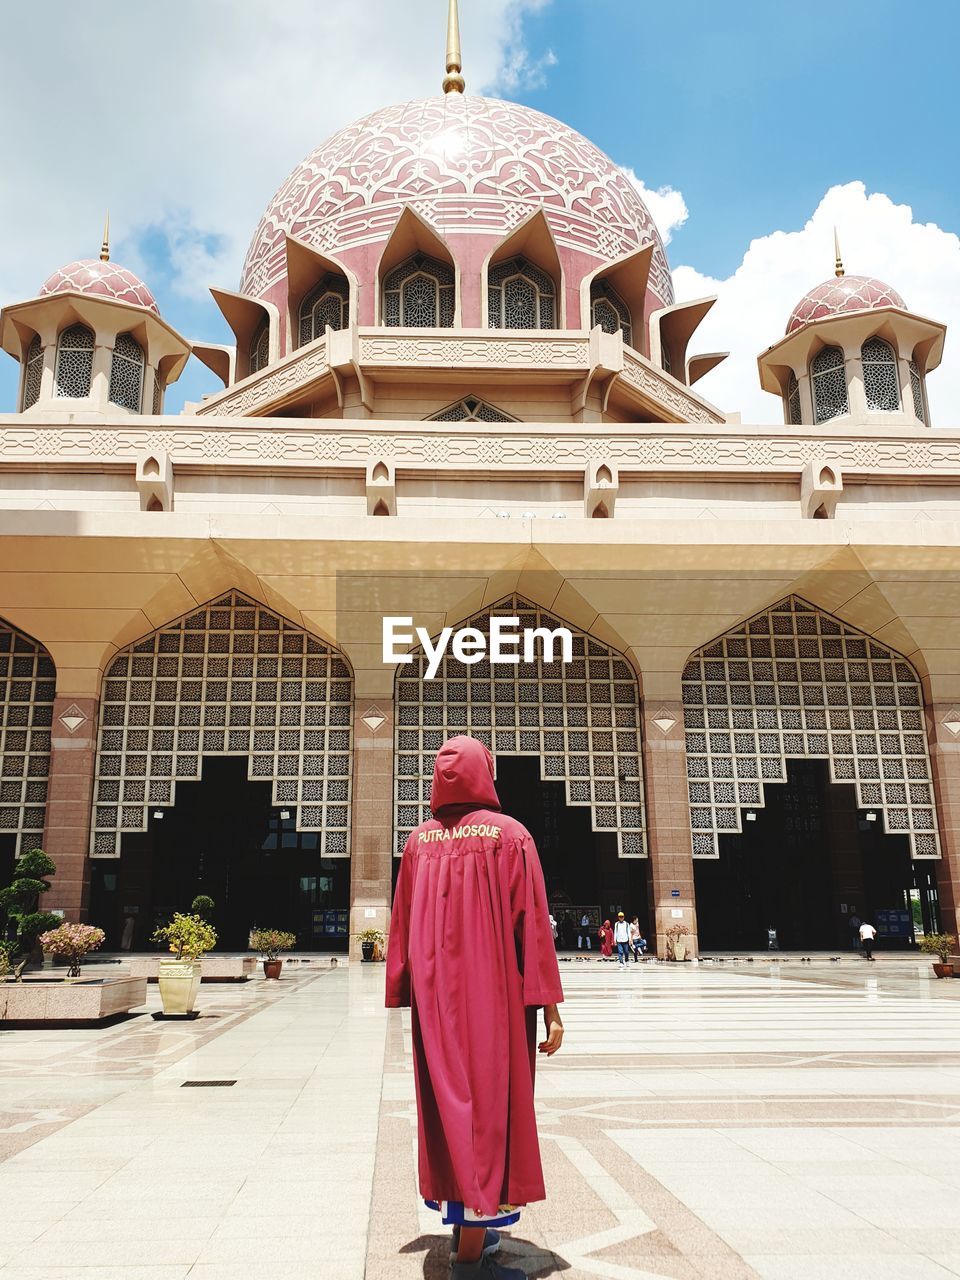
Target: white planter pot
(179, 982)
(679, 949)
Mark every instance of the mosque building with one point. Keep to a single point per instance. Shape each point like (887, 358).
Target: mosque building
(461, 389)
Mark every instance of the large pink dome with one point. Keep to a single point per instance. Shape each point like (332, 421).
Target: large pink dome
(101, 279)
(843, 293)
(468, 166)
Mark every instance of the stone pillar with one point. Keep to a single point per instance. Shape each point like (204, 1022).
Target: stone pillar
(668, 820)
(945, 762)
(66, 835)
(371, 853)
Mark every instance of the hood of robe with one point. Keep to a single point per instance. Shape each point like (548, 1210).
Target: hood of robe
(463, 775)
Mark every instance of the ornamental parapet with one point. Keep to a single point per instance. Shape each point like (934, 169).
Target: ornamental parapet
(575, 357)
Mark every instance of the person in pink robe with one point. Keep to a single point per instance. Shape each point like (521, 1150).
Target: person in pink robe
(471, 952)
(606, 940)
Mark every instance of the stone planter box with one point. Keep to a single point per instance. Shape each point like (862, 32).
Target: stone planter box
(213, 968)
(44, 1001)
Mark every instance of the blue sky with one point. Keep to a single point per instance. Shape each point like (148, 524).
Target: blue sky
(761, 119)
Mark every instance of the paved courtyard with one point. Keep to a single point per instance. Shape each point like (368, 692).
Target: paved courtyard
(787, 1121)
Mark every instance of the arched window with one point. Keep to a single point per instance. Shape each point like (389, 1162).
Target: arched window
(916, 386)
(327, 304)
(419, 294)
(157, 393)
(471, 409)
(521, 297)
(126, 373)
(829, 384)
(609, 311)
(260, 347)
(32, 372)
(74, 362)
(881, 384)
(793, 401)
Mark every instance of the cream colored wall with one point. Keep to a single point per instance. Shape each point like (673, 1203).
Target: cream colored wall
(415, 402)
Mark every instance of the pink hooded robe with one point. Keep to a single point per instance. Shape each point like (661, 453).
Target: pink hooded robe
(471, 952)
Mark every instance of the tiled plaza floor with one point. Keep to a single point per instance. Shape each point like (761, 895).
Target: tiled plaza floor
(790, 1122)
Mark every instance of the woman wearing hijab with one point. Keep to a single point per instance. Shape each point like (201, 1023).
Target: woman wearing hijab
(606, 940)
(471, 952)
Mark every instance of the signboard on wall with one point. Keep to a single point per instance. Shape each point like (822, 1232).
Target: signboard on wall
(894, 924)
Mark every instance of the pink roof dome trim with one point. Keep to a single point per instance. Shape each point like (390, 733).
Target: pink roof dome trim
(467, 165)
(843, 293)
(100, 279)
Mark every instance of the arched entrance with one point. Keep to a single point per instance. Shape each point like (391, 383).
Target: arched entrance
(779, 714)
(232, 679)
(566, 740)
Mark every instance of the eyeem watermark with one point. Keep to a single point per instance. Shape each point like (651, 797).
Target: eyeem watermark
(505, 644)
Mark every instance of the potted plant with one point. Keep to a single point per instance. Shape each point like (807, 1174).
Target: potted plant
(369, 939)
(942, 946)
(676, 947)
(270, 942)
(203, 906)
(188, 937)
(21, 901)
(72, 941)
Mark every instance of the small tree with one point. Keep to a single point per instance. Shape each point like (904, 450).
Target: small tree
(202, 905)
(72, 941)
(188, 937)
(270, 942)
(940, 945)
(21, 899)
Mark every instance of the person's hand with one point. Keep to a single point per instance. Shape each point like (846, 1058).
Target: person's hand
(554, 1030)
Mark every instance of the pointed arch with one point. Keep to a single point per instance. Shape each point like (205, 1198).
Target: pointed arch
(412, 239)
(794, 681)
(581, 719)
(230, 678)
(126, 373)
(527, 255)
(28, 681)
(471, 409)
(74, 368)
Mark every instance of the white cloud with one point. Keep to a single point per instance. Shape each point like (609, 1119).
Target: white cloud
(184, 118)
(877, 238)
(667, 206)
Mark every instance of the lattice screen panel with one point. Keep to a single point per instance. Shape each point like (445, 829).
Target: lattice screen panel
(233, 678)
(581, 719)
(27, 689)
(795, 682)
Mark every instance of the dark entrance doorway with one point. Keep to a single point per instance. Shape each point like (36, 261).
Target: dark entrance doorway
(810, 865)
(224, 838)
(581, 866)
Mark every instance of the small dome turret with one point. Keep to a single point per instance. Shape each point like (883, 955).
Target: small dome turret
(100, 279)
(842, 294)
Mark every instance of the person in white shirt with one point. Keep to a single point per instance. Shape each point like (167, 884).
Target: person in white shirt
(621, 936)
(867, 935)
(585, 928)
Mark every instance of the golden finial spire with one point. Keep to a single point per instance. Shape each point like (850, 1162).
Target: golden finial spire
(838, 264)
(105, 247)
(453, 81)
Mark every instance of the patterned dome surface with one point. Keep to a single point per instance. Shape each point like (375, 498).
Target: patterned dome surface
(103, 280)
(467, 165)
(844, 293)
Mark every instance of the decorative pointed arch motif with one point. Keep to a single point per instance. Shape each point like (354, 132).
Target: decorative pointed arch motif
(471, 409)
(232, 678)
(792, 682)
(27, 688)
(582, 719)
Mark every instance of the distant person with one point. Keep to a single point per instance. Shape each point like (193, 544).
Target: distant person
(638, 943)
(584, 932)
(621, 936)
(772, 943)
(606, 940)
(867, 935)
(126, 938)
(567, 930)
(554, 930)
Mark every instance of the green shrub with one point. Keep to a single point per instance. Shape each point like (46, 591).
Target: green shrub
(270, 942)
(188, 937)
(21, 898)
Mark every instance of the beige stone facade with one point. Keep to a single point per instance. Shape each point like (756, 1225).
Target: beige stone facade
(214, 583)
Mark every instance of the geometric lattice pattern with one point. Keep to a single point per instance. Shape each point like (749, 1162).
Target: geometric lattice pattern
(260, 347)
(74, 371)
(327, 304)
(471, 409)
(916, 388)
(27, 688)
(829, 384)
(881, 382)
(609, 311)
(420, 294)
(794, 682)
(520, 296)
(233, 678)
(580, 719)
(32, 372)
(793, 401)
(126, 373)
